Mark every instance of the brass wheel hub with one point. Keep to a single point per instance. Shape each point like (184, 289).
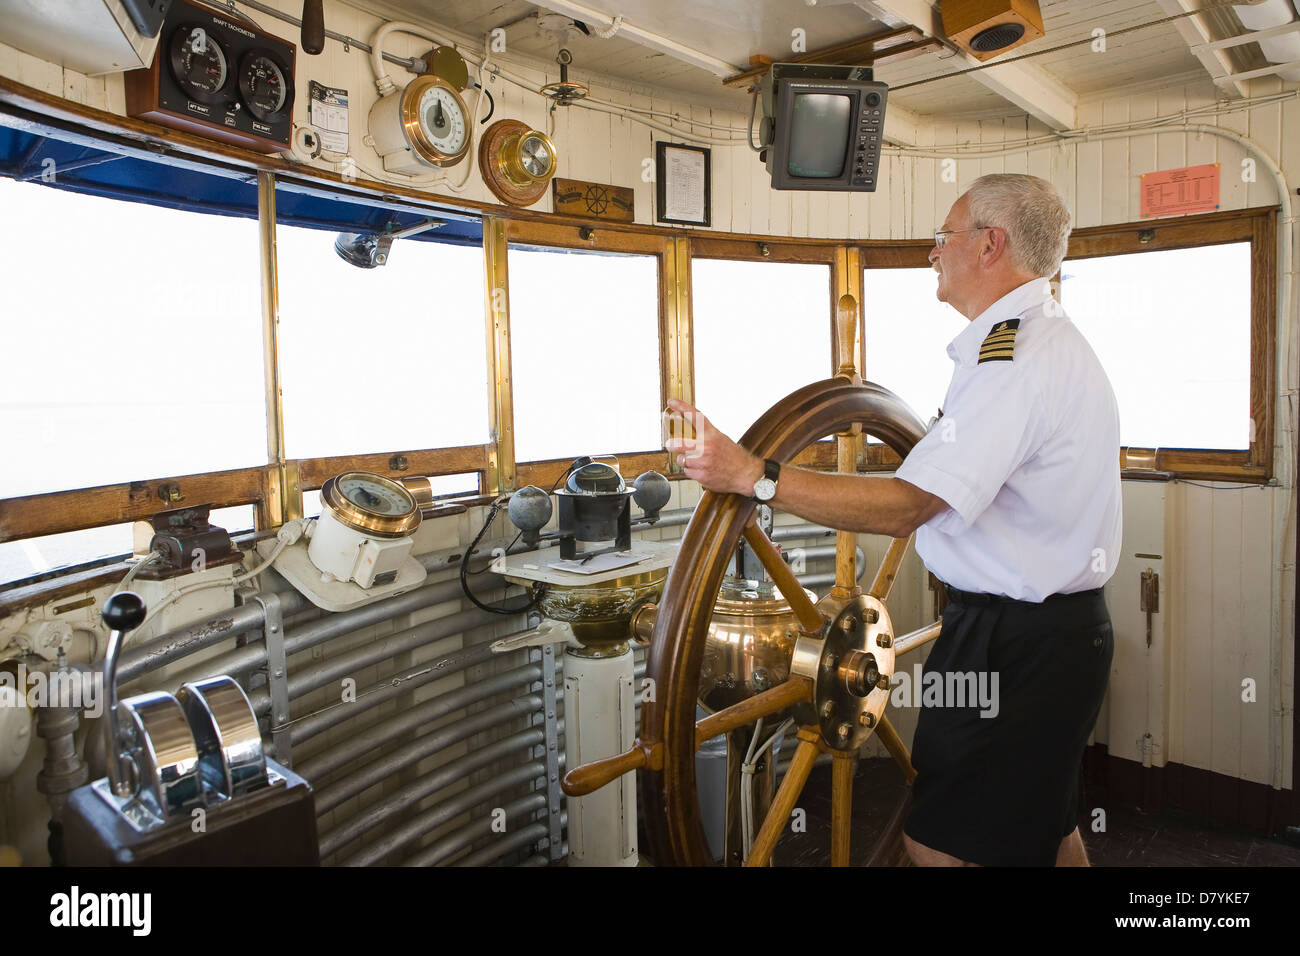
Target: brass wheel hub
(849, 663)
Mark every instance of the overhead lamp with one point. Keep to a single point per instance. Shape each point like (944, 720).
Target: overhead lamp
(368, 250)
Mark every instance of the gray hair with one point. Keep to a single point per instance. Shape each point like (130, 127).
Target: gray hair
(1031, 212)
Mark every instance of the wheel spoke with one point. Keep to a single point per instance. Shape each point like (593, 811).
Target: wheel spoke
(888, 570)
(810, 619)
(918, 638)
(791, 786)
(747, 711)
(846, 542)
(897, 749)
(841, 807)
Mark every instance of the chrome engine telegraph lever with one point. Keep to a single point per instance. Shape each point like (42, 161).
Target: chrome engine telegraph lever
(123, 612)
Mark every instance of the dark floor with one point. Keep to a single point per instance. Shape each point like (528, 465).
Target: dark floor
(1132, 838)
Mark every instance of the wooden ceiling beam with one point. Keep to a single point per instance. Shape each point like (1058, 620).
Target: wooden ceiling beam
(1197, 35)
(1033, 90)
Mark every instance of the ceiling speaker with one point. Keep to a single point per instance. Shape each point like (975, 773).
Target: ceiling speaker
(989, 28)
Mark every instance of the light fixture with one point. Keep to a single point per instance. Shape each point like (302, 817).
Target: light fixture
(368, 250)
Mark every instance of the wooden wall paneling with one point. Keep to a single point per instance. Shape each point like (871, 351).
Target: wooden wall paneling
(114, 96)
(1141, 154)
(1171, 148)
(899, 197)
(780, 211)
(1197, 639)
(1174, 602)
(640, 147)
(39, 74)
(1227, 626)
(1087, 172)
(1015, 128)
(855, 211)
(799, 204)
(724, 161)
(819, 213)
(1233, 191)
(947, 175)
(1201, 148)
(925, 187)
(74, 86)
(761, 198)
(1038, 161)
(590, 132)
(1266, 130)
(1227, 619)
(1115, 168)
(745, 166)
(992, 133)
(1127, 714)
(1257, 602)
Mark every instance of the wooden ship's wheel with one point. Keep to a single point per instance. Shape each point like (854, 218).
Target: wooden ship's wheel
(844, 653)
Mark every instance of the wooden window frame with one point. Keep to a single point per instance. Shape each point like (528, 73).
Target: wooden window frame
(611, 238)
(1258, 226)
(820, 455)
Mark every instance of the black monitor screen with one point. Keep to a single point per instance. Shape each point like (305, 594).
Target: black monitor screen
(819, 134)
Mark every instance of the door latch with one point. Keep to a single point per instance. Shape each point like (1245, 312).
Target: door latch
(1150, 597)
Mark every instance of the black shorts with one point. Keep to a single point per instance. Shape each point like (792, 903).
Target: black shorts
(1002, 790)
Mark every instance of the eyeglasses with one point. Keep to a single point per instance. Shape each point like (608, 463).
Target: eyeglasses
(941, 235)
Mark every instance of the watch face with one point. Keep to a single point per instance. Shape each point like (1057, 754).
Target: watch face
(765, 489)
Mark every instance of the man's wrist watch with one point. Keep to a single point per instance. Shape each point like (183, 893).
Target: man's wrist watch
(765, 487)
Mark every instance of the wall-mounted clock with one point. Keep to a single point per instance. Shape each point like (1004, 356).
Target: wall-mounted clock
(516, 162)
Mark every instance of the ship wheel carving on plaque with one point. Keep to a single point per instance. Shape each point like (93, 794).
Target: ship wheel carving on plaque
(843, 658)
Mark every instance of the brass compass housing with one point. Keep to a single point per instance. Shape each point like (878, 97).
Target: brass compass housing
(371, 504)
(517, 162)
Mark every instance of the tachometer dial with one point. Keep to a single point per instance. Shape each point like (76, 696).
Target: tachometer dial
(199, 64)
(264, 85)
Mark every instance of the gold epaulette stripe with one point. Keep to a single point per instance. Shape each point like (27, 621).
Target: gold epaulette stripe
(1000, 344)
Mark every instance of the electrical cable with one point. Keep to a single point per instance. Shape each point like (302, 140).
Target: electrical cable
(153, 557)
(749, 130)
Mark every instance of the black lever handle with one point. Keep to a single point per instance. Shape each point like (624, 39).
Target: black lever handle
(123, 612)
(313, 27)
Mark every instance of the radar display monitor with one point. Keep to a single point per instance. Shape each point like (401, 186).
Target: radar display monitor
(822, 127)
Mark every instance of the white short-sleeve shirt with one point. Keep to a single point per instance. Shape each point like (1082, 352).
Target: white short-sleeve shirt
(1026, 455)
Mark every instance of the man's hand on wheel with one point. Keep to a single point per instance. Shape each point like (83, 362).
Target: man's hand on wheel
(711, 458)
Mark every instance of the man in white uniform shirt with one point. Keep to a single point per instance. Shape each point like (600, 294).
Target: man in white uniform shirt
(1015, 497)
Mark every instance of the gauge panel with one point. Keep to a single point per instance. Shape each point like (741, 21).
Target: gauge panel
(217, 77)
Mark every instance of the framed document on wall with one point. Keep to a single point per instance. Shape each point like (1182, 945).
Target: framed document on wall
(683, 177)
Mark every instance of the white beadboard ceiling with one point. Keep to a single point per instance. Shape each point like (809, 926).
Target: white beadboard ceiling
(732, 30)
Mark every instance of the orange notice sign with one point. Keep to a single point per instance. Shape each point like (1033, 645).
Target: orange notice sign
(1177, 192)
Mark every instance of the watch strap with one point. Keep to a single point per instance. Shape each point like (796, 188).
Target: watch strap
(771, 469)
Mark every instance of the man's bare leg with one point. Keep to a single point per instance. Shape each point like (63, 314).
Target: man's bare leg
(923, 855)
(1072, 852)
